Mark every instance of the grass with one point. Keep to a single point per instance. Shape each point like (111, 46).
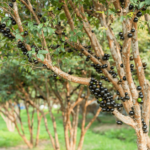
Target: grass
(101, 140)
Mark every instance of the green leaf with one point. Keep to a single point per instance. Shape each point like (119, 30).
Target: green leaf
(42, 52)
(62, 16)
(50, 31)
(40, 56)
(45, 29)
(141, 4)
(40, 25)
(8, 23)
(147, 2)
(19, 37)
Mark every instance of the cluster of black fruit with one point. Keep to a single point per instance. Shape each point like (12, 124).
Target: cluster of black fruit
(129, 34)
(98, 67)
(140, 97)
(139, 14)
(123, 98)
(21, 45)
(144, 65)
(13, 22)
(6, 31)
(131, 67)
(89, 51)
(43, 19)
(112, 72)
(104, 97)
(144, 126)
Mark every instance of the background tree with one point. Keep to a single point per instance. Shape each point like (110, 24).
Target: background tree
(34, 89)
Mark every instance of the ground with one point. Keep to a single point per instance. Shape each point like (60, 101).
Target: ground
(101, 136)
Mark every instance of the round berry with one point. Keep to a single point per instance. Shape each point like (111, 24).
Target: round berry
(139, 14)
(120, 34)
(131, 113)
(139, 88)
(121, 65)
(139, 100)
(130, 35)
(7, 30)
(25, 33)
(124, 78)
(3, 25)
(11, 5)
(132, 30)
(121, 38)
(135, 19)
(131, 7)
(144, 64)
(13, 22)
(119, 122)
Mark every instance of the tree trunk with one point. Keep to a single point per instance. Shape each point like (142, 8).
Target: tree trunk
(10, 125)
(81, 141)
(147, 18)
(23, 137)
(38, 128)
(141, 140)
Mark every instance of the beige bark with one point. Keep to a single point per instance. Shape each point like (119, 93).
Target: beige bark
(147, 18)
(9, 123)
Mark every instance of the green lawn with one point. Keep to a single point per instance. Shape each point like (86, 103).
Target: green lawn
(109, 139)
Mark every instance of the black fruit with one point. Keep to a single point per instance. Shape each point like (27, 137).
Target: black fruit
(132, 66)
(2, 30)
(144, 127)
(131, 113)
(34, 9)
(144, 64)
(144, 9)
(145, 131)
(13, 22)
(7, 30)
(121, 38)
(120, 34)
(132, 30)
(13, 0)
(36, 61)
(39, 15)
(139, 88)
(44, 19)
(5, 34)
(11, 5)
(121, 65)
(139, 14)
(130, 35)
(119, 122)
(124, 78)
(135, 19)
(3, 25)
(9, 35)
(25, 33)
(131, 58)
(112, 67)
(131, 7)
